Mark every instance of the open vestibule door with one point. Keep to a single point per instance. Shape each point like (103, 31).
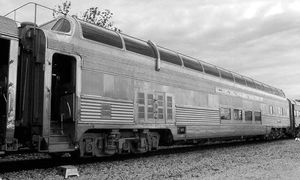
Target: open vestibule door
(64, 90)
(8, 80)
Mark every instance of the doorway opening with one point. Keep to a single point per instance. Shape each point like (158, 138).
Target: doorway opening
(4, 58)
(63, 95)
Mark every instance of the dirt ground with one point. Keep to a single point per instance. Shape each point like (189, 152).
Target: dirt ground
(267, 160)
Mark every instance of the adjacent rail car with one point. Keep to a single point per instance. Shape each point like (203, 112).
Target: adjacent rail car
(84, 89)
(295, 115)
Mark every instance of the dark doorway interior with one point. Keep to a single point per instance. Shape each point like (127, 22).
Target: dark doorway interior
(63, 95)
(4, 58)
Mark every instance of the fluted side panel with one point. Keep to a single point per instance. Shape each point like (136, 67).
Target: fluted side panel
(197, 116)
(111, 111)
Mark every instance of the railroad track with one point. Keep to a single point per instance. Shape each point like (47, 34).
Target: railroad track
(12, 165)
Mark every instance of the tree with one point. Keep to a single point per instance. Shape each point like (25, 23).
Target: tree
(92, 15)
(62, 9)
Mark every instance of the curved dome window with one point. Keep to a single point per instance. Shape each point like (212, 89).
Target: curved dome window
(169, 56)
(62, 25)
(102, 35)
(138, 46)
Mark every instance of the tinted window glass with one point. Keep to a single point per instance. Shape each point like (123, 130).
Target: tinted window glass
(225, 113)
(226, 75)
(277, 92)
(271, 110)
(239, 80)
(282, 93)
(260, 87)
(248, 115)
(264, 88)
(256, 85)
(237, 114)
(138, 46)
(101, 35)
(269, 90)
(257, 116)
(169, 57)
(62, 25)
(250, 83)
(211, 70)
(192, 64)
(273, 90)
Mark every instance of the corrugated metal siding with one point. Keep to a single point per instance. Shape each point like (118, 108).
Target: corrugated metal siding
(275, 121)
(197, 116)
(121, 112)
(8, 27)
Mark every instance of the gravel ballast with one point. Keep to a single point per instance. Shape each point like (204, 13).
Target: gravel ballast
(267, 160)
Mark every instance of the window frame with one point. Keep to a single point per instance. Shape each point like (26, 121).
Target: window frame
(239, 80)
(62, 32)
(226, 75)
(211, 70)
(271, 110)
(240, 115)
(169, 107)
(176, 60)
(117, 45)
(131, 40)
(260, 116)
(185, 61)
(151, 105)
(246, 119)
(141, 105)
(220, 113)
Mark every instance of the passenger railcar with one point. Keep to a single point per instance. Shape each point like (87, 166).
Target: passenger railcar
(76, 87)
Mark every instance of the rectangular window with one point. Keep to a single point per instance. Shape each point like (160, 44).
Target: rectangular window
(237, 114)
(225, 113)
(248, 115)
(150, 101)
(279, 111)
(169, 108)
(141, 105)
(138, 46)
(141, 113)
(101, 35)
(271, 111)
(208, 69)
(226, 75)
(239, 80)
(257, 116)
(160, 106)
(169, 56)
(192, 64)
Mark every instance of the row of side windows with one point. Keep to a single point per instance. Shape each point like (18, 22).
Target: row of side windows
(154, 106)
(108, 37)
(296, 113)
(274, 110)
(225, 114)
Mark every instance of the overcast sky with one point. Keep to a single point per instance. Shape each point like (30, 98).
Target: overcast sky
(257, 38)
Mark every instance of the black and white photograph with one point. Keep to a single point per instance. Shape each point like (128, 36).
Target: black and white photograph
(161, 89)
